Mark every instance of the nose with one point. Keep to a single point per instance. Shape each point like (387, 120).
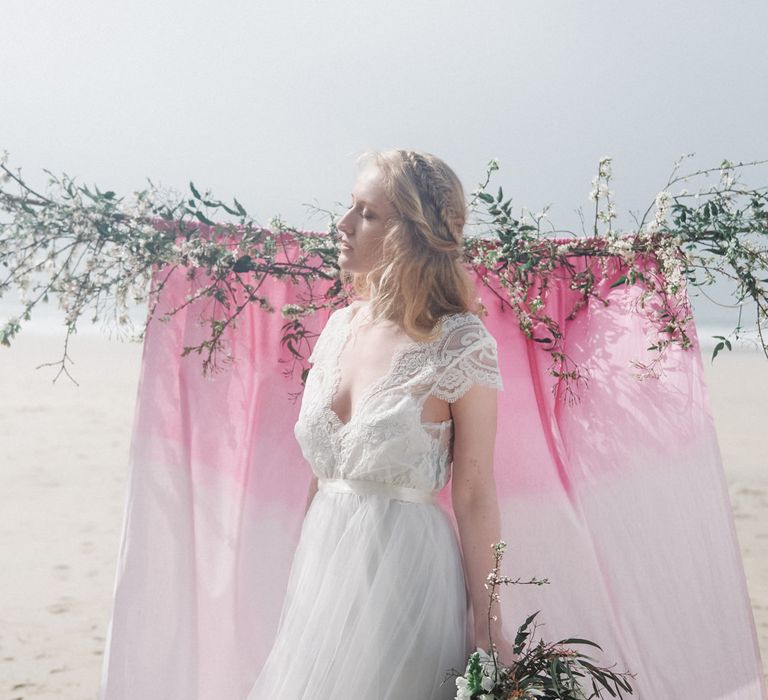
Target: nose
(343, 224)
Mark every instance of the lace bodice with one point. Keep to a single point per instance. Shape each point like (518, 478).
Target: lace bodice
(385, 438)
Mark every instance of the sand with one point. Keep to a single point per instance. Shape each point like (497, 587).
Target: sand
(63, 489)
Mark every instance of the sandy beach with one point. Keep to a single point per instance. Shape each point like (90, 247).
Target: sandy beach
(63, 490)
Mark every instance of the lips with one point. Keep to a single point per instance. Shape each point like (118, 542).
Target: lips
(345, 246)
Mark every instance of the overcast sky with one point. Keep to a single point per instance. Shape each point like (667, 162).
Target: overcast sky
(271, 101)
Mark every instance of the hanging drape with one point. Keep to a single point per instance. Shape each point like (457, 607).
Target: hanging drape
(620, 500)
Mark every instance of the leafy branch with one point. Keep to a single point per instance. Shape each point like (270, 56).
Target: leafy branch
(552, 671)
(94, 250)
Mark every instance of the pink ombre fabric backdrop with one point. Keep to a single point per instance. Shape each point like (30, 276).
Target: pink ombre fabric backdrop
(619, 500)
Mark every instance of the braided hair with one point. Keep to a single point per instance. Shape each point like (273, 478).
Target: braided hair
(438, 190)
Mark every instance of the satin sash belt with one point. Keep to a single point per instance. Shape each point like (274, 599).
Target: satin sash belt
(364, 487)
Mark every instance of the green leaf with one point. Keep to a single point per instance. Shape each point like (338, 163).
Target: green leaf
(522, 634)
(599, 675)
(84, 189)
(240, 207)
(194, 190)
(718, 348)
(621, 280)
(725, 340)
(578, 640)
(242, 264)
(228, 209)
(486, 197)
(202, 217)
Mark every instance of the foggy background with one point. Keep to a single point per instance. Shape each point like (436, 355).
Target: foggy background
(271, 101)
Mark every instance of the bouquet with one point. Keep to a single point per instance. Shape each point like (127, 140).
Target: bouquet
(541, 670)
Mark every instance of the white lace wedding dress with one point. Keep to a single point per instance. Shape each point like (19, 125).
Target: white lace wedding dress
(376, 603)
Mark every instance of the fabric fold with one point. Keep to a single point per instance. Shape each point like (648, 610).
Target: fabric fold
(620, 500)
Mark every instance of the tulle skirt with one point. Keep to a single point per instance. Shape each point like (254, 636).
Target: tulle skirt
(375, 608)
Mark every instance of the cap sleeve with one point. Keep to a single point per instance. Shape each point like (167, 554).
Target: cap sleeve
(470, 356)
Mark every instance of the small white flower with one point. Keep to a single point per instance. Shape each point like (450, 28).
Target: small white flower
(600, 191)
(462, 689)
(604, 167)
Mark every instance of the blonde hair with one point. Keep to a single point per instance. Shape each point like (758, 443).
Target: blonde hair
(420, 276)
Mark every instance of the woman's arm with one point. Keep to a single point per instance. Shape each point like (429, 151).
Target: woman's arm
(475, 503)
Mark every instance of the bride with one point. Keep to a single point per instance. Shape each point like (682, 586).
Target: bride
(383, 598)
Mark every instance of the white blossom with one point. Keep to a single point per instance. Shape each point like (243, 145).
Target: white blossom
(662, 207)
(600, 191)
(462, 689)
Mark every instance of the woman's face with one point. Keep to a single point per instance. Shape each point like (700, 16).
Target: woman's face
(364, 226)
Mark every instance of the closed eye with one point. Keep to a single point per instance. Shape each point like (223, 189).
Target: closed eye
(364, 215)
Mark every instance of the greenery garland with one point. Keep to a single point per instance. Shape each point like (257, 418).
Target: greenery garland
(95, 250)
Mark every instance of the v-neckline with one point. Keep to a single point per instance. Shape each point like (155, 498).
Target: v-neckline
(374, 386)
